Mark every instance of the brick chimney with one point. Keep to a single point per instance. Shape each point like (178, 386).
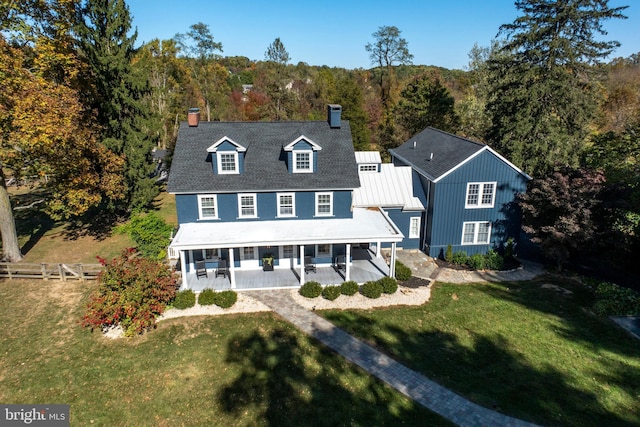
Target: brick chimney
(193, 117)
(334, 112)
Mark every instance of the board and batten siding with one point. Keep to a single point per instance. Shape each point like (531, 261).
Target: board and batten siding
(402, 219)
(447, 207)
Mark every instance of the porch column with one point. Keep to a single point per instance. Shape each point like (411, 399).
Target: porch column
(347, 261)
(392, 267)
(183, 270)
(378, 246)
(232, 269)
(301, 264)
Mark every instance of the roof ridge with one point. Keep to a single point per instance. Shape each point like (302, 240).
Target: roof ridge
(457, 136)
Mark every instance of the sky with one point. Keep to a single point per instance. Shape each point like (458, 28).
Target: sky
(335, 32)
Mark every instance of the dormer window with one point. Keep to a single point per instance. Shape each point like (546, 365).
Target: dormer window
(226, 158)
(302, 161)
(302, 155)
(227, 162)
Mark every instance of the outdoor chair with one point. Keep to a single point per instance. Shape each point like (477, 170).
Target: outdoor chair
(222, 270)
(201, 269)
(340, 263)
(309, 265)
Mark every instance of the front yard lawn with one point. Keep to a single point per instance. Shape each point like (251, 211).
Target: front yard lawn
(526, 350)
(230, 370)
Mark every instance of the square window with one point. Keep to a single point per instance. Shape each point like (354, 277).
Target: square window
(324, 204)
(211, 254)
(480, 195)
(476, 233)
(302, 161)
(323, 251)
(248, 253)
(228, 163)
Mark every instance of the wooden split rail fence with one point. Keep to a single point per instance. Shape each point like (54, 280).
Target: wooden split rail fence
(44, 271)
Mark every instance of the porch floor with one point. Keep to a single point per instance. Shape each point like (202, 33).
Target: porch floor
(362, 270)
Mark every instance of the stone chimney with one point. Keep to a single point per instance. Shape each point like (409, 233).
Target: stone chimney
(334, 112)
(193, 117)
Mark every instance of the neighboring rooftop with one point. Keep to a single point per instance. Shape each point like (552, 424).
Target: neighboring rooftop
(265, 168)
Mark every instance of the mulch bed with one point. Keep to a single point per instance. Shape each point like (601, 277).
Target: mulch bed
(414, 282)
(508, 265)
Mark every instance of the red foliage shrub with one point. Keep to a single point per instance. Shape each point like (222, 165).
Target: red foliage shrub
(132, 292)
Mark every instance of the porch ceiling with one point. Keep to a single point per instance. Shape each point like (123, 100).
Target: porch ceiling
(367, 225)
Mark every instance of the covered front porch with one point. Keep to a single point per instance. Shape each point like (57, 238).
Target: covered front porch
(341, 249)
(365, 266)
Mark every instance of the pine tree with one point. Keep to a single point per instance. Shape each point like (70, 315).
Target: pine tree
(102, 35)
(543, 93)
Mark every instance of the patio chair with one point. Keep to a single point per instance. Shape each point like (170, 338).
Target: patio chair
(309, 265)
(341, 263)
(201, 269)
(222, 270)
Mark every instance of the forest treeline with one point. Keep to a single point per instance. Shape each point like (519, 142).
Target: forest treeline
(83, 102)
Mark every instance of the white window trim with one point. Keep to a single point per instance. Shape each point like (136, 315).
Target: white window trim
(252, 257)
(255, 205)
(416, 234)
(476, 228)
(481, 186)
(236, 170)
(368, 167)
(295, 161)
(279, 205)
(325, 255)
(326, 193)
(215, 257)
(215, 206)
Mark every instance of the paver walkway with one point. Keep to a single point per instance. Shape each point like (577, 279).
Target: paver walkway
(410, 383)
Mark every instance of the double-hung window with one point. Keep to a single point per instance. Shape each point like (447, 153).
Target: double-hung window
(207, 206)
(480, 195)
(286, 204)
(227, 163)
(303, 161)
(414, 227)
(476, 233)
(247, 206)
(324, 204)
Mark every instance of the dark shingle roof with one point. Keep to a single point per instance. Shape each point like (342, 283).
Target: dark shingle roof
(448, 152)
(265, 168)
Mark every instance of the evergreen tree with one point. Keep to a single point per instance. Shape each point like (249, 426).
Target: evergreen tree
(352, 100)
(427, 102)
(102, 35)
(543, 93)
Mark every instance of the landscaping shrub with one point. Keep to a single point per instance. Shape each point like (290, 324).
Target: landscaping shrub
(331, 292)
(509, 250)
(402, 271)
(389, 285)
(371, 290)
(476, 261)
(493, 260)
(132, 292)
(225, 299)
(184, 299)
(207, 297)
(150, 233)
(448, 255)
(311, 289)
(614, 300)
(349, 288)
(460, 258)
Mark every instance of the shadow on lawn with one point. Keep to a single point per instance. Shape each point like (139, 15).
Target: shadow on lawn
(487, 370)
(279, 375)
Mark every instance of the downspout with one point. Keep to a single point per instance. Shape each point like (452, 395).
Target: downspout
(426, 219)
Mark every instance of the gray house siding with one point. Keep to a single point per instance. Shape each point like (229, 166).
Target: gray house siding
(448, 212)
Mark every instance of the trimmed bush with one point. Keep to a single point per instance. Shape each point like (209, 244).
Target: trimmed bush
(402, 271)
(476, 261)
(493, 260)
(225, 299)
(460, 257)
(311, 289)
(331, 292)
(448, 255)
(207, 297)
(389, 285)
(349, 288)
(184, 299)
(614, 300)
(371, 290)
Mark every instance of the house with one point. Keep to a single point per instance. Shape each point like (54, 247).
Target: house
(252, 197)
(394, 189)
(469, 192)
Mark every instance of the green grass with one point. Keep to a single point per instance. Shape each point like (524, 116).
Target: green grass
(524, 350)
(228, 370)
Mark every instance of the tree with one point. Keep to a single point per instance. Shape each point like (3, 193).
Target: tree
(427, 102)
(275, 78)
(277, 53)
(559, 212)
(389, 49)
(352, 100)
(116, 92)
(543, 94)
